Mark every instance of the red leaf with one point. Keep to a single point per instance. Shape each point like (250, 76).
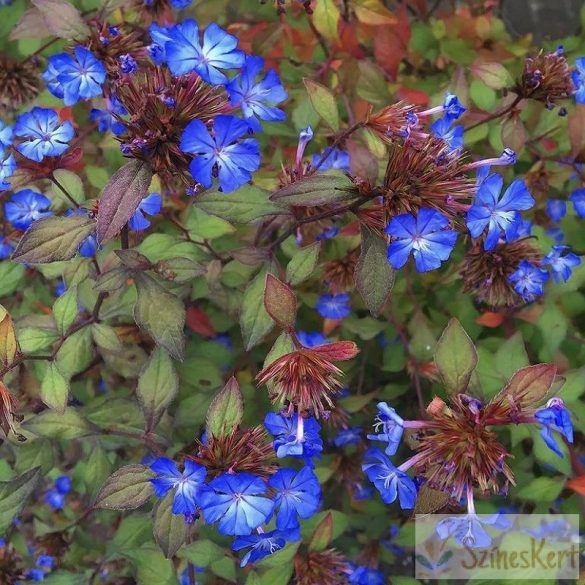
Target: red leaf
(490, 319)
(199, 322)
(391, 43)
(577, 484)
(337, 351)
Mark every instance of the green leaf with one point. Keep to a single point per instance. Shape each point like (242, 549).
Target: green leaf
(53, 238)
(540, 489)
(224, 568)
(202, 552)
(303, 263)
(112, 280)
(55, 389)
(179, 269)
(492, 73)
(76, 353)
(65, 310)
(13, 495)
(326, 16)
(455, 356)
(319, 189)
(324, 103)
(127, 488)
(97, 470)
(121, 197)
(62, 19)
(69, 425)
(170, 530)
(323, 534)
(106, 337)
(157, 387)
(254, 319)
(374, 277)
(65, 578)
(226, 410)
(69, 181)
(511, 355)
(161, 314)
(33, 339)
(245, 205)
(151, 566)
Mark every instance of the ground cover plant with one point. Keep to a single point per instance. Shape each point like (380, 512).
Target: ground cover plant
(276, 276)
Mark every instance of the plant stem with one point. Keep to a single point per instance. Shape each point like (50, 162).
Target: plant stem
(496, 115)
(55, 182)
(125, 238)
(343, 136)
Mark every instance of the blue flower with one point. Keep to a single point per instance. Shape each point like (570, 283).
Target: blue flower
(366, 576)
(180, 4)
(54, 499)
(263, 544)
(161, 36)
(237, 502)
(311, 338)
(73, 78)
(328, 233)
(151, 205)
(7, 168)
(561, 262)
(221, 154)
(556, 209)
(555, 233)
(391, 425)
(578, 76)
(350, 436)
(186, 53)
(555, 417)
(425, 236)
(257, 99)
(336, 159)
(524, 228)
(297, 494)
(452, 135)
(361, 491)
(467, 530)
(89, 247)
(60, 288)
(577, 198)
(452, 107)
(529, 280)
(390, 481)
(46, 561)
(333, 306)
(6, 135)
(287, 443)
(25, 207)
(35, 575)
(128, 64)
(46, 135)
(106, 119)
(188, 483)
(63, 484)
(498, 214)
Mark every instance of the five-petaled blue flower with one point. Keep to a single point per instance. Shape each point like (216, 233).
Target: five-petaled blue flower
(105, 118)
(150, 205)
(73, 78)
(389, 426)
(222, 153)
(556, 209)
(285, 431)
(499, 214)
(188, 483)
(297, 494)
(336, 159)
(561, 262)
(44, 134)
(452, 135)
(237, 502)
(390, 481)
(555, 417)
(186, 53)
(333, 306)
(529, 280)
(25, 207)
(467, 530)
(425, 236)
(7, 168)
(257, 99)
(350, 436)
(578, 76)
(263, 544)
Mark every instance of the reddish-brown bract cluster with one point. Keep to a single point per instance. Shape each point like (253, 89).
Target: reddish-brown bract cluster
(19, 84)
(328, 567)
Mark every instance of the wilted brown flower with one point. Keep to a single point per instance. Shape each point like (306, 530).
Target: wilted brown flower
(485, 272)
(242, 450)
(19, 84)
(11, 569)
(328, 567)
(307, 379)
(338, 274)
(392, 122)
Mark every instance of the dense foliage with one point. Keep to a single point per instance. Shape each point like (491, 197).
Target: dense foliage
(274, 275)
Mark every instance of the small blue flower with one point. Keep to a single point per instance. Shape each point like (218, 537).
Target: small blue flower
(160, 35)
(6, 135)
(45, 135)
(333, 306)
(63, 484)
(561, 262)
(180, 4)
(257, 99)
(361, 491)
(452, 135)
(524, 228)
(128, 64)
(467, 530)
(263, 544)
(577, 198)
(529, 280)
(390, 481)
(73, 78)
(298, 494)
(452, 107)
(336, 159)
(106, 119)
(237, 502)
(389, 426)
(186, 53)
(555, 233)
(150, 205)
(366, 576)
(60, 288)
(556, 209)
(26, 207)
(46, 561)
(328, 233)
(350, 436)
(498, 214)
(7, 168)
(425, 236)
(35, 575)
(54, 499)
(287, 443)
(222, 154)
(311, 338)
(188, 483)
(578, 76)
(555, 417)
